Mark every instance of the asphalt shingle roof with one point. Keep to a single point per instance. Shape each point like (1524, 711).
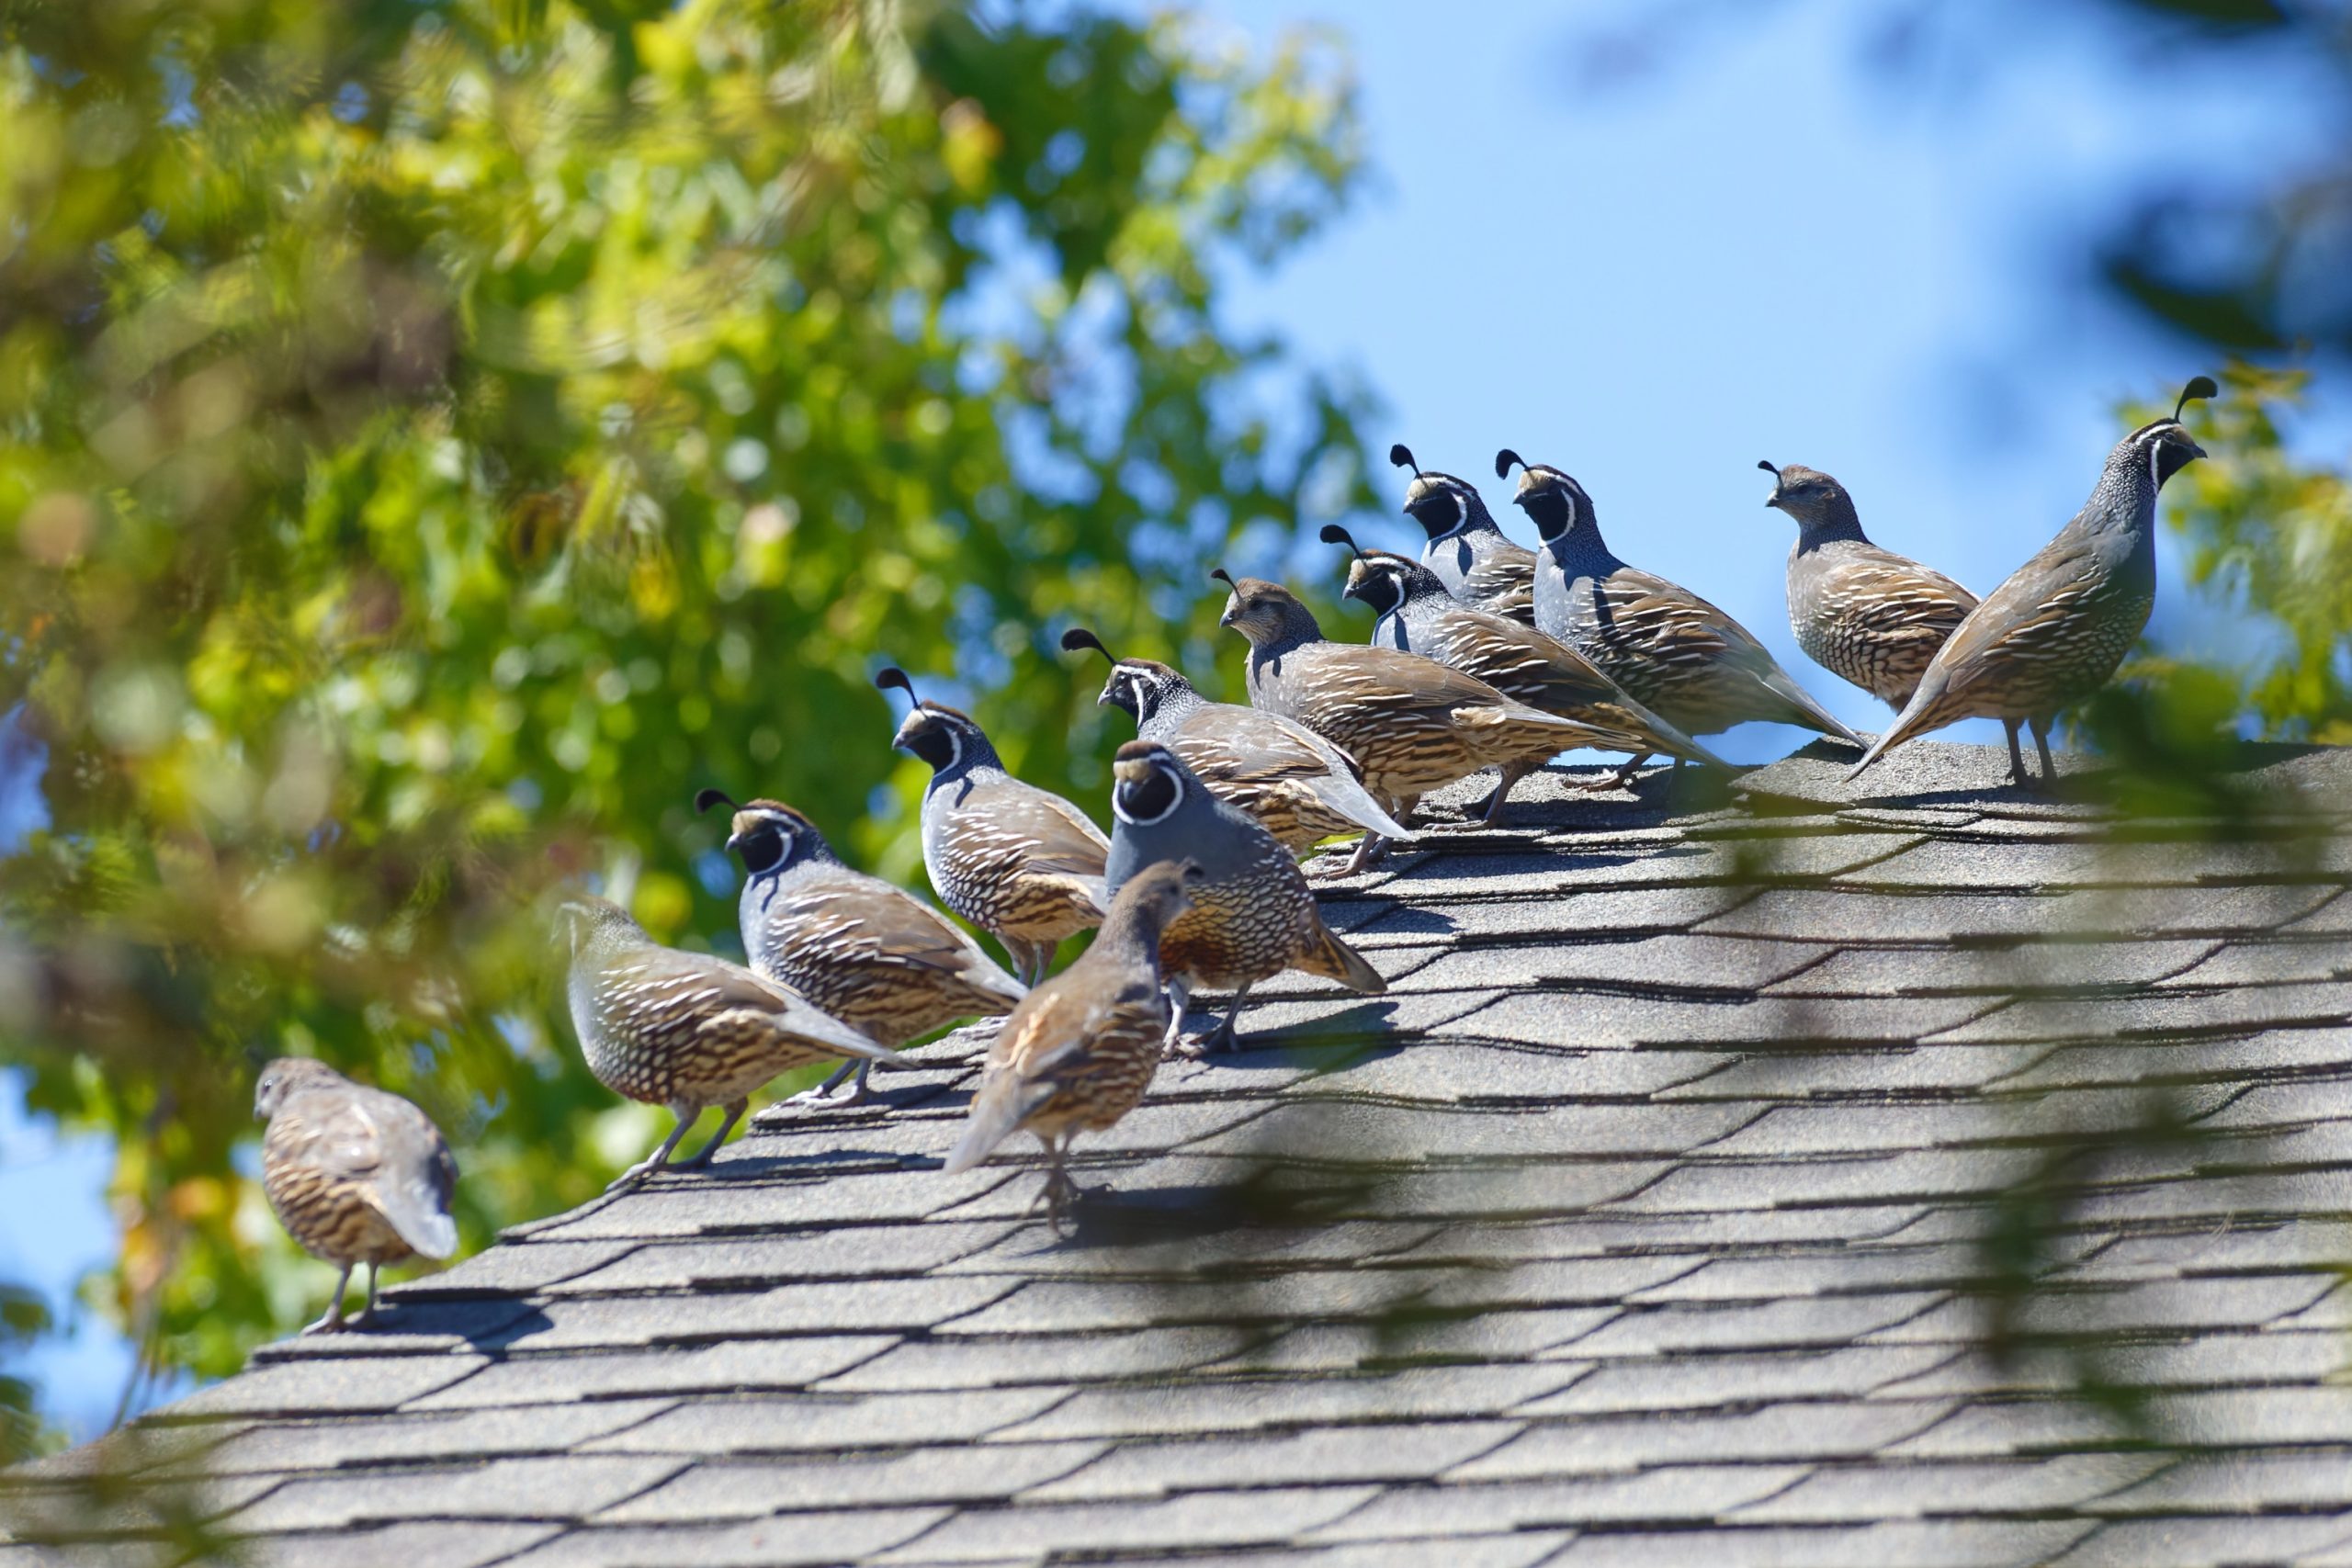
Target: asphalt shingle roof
(1911, 1172)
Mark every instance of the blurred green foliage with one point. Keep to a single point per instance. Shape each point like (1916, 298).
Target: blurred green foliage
(2269, 533)
(437, 435)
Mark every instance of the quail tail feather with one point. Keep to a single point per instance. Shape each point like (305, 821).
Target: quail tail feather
(1807, 712)
(1327, 955)
(427, 1228)
(1005, 1100)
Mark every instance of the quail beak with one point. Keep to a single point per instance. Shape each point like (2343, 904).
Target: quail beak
(1232, 610)
(913, 726)
(2197, 451)
(1774, 500)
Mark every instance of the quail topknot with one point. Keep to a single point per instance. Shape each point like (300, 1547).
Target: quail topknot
(875, 957)
(1300, 785)
(1467, 551)
(1864, 613)
(686, 1030)
(2054, 631)
(1415, 614)
(1078, 1052)
(356, 1175)
(1019, 863)
(1671, 650)
(1252, 914)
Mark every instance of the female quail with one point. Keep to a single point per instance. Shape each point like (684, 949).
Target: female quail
(1670, 649)
(1300, 785)
(873, 955)
(1410, 722)
(1860, 612)
(1417, 616)
(1078, 1052)
(686, 1030)
(356, 1175)
(1252, 915)
(1023, 865)
(2053, 632)
(1467, 551)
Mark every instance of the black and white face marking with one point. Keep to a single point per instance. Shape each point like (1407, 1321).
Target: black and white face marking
(1379, 584)
(1553, 501)
(768, 840)
(2168, 449)
(1141, 802)
(933, 738)
(1135, 688)
(1440, 509)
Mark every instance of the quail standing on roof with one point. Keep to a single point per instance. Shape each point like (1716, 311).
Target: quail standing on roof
(1252, 915)
(1300, 785)
(875, 957)
(1477, 561)
(1078, 1052)
(1020, 863)
(1415, 614)
(2053, 633)
(1866, 614)
(1411, 724)
(1671, 650)
(356, 1175)
(686, 1030)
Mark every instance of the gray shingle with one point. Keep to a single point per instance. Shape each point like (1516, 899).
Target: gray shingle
(1659, 1213)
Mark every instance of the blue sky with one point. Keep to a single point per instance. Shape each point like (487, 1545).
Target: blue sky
(1764, 248)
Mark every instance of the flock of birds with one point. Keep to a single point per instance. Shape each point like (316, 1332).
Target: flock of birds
(1484, 654)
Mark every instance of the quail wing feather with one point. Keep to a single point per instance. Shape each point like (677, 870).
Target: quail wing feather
(1042, 1048)
(389, 1148)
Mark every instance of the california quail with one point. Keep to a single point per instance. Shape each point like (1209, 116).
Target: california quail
(1860, 612)
(686, 1030)
(2053, 632)
(1411, 723)
(1467, 551)
(1300, 785)
(1417, 616)
(1022, 864)
(875, 957)
(1252, 915)
(1078, 1052)
(1670, 649)
(356, 1176)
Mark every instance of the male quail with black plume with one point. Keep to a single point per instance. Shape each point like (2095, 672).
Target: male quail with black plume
(1671, 650)
(1022, 864)
(1866, 614)
(875, 957)
(1252, 915)
(2053, 633)
(356, 1175)
(1078, 1052)
(1411, 723)
(1415, 614)
(686, 1030)
(1478, 563)
(1300, 785)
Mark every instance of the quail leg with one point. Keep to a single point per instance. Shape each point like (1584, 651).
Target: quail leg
(332, 1322)
(2016, 758)
(1369, 850)
(367, 1318)
(1221, 1038)
(2041, 728)
(1062, 1190)
(701, 1157)
(661, 1156)
(1491, 810)
(1180, 992)
(1624, 775)
(823, 1093)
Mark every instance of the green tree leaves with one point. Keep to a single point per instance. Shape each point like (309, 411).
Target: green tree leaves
(437, 438)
